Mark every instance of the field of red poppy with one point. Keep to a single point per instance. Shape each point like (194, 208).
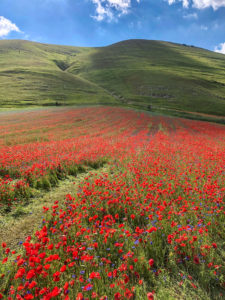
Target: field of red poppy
(150, 225)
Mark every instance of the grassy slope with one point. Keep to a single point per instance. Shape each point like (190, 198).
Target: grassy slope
(31, 74)
(140, 73)
(165, 75)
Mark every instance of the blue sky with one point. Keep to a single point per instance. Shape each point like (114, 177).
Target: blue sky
(103, 22)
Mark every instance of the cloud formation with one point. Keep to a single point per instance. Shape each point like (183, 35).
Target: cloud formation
(111, 9)
(220, 48)
(6, 26)
(200, 4)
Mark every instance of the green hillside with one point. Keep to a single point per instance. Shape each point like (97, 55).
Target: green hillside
(35, 74)
(152, 75)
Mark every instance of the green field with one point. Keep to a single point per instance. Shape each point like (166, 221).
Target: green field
(158, 76)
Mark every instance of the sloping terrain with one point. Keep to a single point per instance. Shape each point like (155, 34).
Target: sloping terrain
(154, 75)
(35, 74)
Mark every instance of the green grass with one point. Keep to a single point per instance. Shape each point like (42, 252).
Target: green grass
(160, 74)
(149, 75)
(31, 74)
(26, 216)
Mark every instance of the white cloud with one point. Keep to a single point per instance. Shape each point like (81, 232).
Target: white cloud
(191, 16)
(220, 48)
(6, 26)
(111, 9)
(185, 2)
(200, 4)
(101, 11)
(215, 4)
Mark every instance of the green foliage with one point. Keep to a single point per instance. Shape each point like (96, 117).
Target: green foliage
(18, 212)
(23, 190)
(45, 184)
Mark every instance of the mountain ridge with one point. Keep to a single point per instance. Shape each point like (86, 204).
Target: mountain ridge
(151, 75)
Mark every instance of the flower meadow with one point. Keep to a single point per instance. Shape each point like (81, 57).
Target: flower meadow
(150, 227)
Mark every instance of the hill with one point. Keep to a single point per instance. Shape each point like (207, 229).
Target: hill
(154, 75)
(35, 74)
